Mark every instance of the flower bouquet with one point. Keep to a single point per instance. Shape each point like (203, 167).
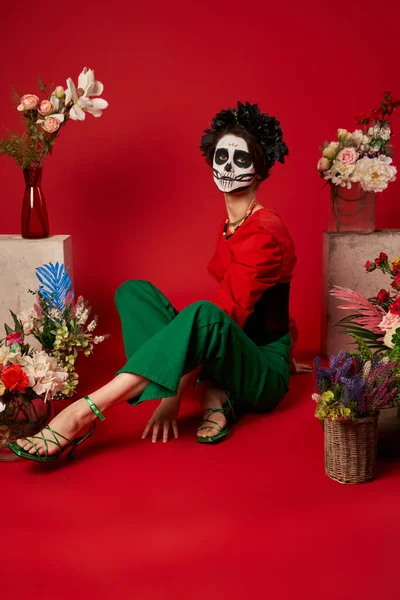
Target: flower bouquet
(30, 377)
(358, 164)
(351, 392)
(43, 120)
(374, 322)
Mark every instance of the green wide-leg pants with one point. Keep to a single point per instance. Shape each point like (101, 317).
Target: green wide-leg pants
(163, 344)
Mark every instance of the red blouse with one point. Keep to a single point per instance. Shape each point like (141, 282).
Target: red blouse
(257, 256)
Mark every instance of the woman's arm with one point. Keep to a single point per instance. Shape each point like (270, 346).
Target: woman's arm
(256, 266)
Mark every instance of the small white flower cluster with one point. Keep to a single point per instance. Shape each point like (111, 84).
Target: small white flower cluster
(359, 158)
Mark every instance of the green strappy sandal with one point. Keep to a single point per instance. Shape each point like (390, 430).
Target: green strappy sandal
(71, 446)
(226, 410)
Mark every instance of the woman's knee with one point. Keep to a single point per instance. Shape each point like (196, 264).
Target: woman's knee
(130, 287)
(205, 307)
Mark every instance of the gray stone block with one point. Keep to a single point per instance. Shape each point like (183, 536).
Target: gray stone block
(19, 258)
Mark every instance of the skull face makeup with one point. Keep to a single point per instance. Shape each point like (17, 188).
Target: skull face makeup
(233, 166)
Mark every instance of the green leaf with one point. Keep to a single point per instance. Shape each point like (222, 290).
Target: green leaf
(42, 86)
(8, 329)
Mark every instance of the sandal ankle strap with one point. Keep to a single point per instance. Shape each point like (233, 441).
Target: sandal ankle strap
(94, 408)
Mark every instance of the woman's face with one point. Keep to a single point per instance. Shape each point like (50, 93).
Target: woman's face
(233, 167)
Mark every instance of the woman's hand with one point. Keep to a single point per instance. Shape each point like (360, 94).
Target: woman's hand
(296, 368)
(167, 413)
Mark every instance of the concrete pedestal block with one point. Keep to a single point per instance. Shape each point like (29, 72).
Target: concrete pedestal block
(19, 258)
(344, 257)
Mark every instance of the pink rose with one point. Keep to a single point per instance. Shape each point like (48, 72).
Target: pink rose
(323, 164)
(28, 102)
(46, 107)
(390, 321)
(347, 156)
(50, 124)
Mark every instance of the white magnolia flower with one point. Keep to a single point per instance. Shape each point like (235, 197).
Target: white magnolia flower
(2, 406)
(374, 174)
(27, 319)
(87, 86)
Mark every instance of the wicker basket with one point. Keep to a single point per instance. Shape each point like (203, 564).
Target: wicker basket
(350, 449)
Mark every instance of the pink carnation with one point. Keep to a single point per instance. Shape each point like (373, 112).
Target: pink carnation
(14, 338)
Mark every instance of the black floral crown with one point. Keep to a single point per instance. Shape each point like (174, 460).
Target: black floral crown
(264, 129)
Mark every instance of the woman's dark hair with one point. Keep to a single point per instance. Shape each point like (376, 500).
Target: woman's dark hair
(261, 132)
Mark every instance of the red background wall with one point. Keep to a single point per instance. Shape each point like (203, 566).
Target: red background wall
(132, 188)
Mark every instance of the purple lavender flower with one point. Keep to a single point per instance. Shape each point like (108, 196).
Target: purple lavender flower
(354, 392)
(336, 360)
(324, 377)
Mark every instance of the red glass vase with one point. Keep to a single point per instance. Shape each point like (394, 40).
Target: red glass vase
(34, 219)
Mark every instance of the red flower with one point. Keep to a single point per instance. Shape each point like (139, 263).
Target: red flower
(15, 378)
(370, 266)
(395, 307)
(396, 267)
(396, 282)
(383, 296)
(14, 338)
(381, 259)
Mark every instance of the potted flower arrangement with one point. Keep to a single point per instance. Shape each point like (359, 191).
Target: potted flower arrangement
(358, 165)
(43, 120)
(31, 377)
(351, 392)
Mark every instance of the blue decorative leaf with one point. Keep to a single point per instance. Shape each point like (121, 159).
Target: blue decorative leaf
(55, 284)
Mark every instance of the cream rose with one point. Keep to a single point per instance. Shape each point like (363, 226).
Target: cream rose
(46, 107)
(389, 322)
(347, 156)
(342, 134)
(28, 102)
(51, 124)
(59, 92)
(331, 150)
(323, 164)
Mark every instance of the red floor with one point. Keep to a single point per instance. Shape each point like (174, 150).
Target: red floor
(254, 517)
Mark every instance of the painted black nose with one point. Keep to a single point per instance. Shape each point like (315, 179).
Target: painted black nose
(228, 167)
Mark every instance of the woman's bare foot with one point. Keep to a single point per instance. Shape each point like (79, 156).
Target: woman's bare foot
(212, 397)
(70, 423)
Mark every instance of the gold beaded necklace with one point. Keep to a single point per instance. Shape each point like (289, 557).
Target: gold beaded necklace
(236, 224)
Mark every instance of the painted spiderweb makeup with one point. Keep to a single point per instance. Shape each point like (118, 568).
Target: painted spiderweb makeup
(233, 167)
